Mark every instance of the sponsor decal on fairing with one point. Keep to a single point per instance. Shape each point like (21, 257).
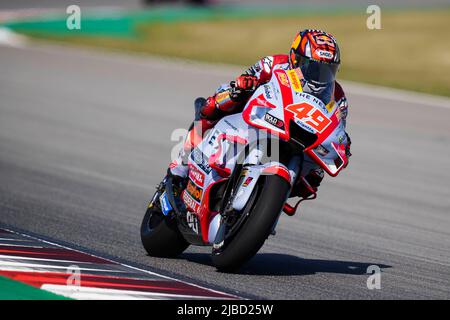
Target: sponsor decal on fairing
(196, 176)
(195, 191)
(274, 121)
(165, 204)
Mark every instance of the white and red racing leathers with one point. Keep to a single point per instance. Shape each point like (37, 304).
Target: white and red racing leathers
(231, 98)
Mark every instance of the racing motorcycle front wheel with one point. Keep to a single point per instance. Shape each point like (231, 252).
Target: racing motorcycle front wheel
(160, 235)
(260, 215)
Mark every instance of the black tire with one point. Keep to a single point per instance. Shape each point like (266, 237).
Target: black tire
(257, 227)
(160, 235)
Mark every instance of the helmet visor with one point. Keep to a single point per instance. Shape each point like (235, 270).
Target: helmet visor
(319, 71)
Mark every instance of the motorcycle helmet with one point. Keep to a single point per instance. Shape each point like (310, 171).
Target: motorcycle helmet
(317, 55)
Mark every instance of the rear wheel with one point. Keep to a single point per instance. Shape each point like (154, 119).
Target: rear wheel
(261, 217)
(160, 235)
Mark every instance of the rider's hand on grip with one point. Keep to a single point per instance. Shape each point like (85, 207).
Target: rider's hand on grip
(242, 87)
(347, 148)
(246, 82)
(209, 109)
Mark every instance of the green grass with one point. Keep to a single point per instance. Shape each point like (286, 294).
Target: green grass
(411, 51)
(14, 290)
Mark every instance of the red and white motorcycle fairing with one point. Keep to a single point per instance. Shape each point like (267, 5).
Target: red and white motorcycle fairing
(272, 111)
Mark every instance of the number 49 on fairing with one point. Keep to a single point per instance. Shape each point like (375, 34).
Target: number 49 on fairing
(310, 116)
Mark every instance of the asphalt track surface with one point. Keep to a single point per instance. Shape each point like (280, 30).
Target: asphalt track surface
(85, 137)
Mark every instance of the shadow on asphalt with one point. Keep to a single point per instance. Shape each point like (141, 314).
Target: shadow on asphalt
(275, 264)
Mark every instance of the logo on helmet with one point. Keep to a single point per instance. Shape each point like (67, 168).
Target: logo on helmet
(324, 54)
(323, 39)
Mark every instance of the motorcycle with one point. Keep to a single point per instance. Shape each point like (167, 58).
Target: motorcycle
(236, 190)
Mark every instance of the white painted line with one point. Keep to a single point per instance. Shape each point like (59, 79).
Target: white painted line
(32, 14)
(11, 39)
(26, 269)
(26, 14)
(87, 293)
(4, 265)
(128, 266)
(9, 239)
(19, 245)
(8, 257)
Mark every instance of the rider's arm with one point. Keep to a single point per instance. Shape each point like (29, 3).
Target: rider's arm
(219, 104)
(262, 69)
(342, 103)
(230, 99)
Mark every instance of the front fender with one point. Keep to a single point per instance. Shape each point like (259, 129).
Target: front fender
(250, 176)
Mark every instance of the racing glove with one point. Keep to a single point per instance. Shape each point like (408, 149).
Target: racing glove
(347, 147)
(243, 87)
(229, 100)
(217, 106)
(209, 109)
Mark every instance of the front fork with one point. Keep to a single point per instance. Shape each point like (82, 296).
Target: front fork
(295, 167)
(250, 179)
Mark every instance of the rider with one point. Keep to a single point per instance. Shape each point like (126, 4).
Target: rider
(317, 55)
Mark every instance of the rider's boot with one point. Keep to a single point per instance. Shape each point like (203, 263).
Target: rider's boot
(307, 185)
(305, 188)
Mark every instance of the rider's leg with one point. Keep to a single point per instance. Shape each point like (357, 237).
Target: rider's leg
(197, 130)
(178, 166)
(207, 113)
(312, 177)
